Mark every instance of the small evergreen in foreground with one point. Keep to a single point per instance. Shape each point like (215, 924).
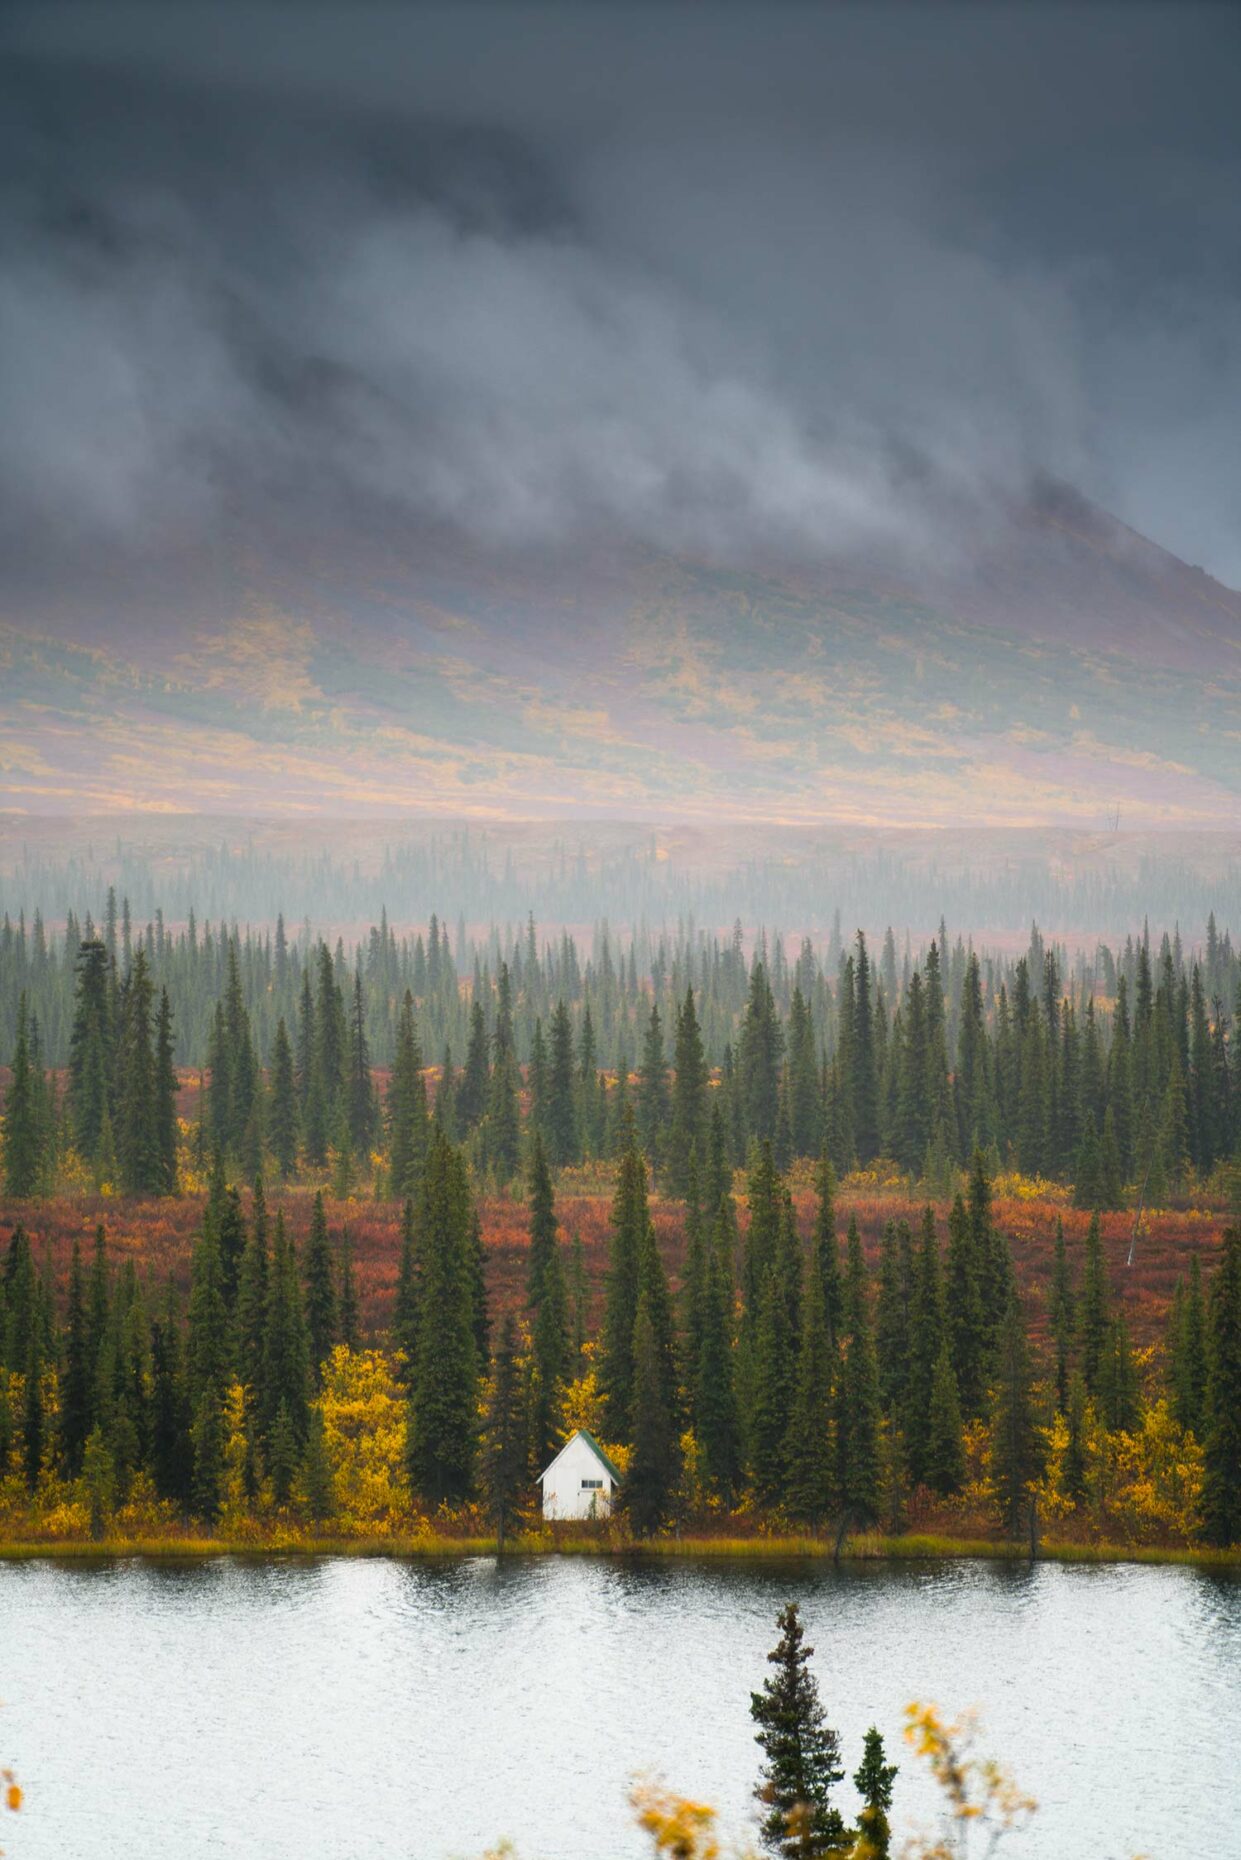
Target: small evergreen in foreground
(802, 1751)
(873, 1780)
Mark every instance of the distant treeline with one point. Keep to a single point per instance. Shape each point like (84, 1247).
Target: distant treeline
(633, 876)
(1118, 1071)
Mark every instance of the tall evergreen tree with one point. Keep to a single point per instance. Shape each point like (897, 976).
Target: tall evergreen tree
(76, 1388)
(629, 1222)
(137, 1133)
(873, 1780)
(802, 1753)
(760, 1050)
(442, 1433)
(90, 1050)
(716, 1424)
(1061, 1314)
(504, 1452)
(1094, 1315)
(502, 1146)
(407, 1108)
(858, 1406)
(652, 1106)
(651, 1480)
(321, 1308)
(167, 1086)
(808, 1449)
(1189, 1355)
(283, 1122)
(966, 1326)
(563, 1143)
(24, 1136)
(1015, 1452)
(1221, 1489)
(690, 1110)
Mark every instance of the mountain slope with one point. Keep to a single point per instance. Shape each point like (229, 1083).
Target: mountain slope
(1055, 668)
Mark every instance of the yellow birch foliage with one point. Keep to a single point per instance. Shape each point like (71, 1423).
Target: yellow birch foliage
(363, 1413)
(978, 1791)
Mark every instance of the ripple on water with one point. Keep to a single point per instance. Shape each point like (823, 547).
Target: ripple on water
(378, 1708)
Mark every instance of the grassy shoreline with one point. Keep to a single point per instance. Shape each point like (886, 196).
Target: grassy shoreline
(426, 1546)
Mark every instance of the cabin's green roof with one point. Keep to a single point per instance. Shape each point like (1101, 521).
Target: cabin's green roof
(599, 1454)
(607, 1464)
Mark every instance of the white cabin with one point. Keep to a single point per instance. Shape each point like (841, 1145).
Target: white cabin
(581, 1480)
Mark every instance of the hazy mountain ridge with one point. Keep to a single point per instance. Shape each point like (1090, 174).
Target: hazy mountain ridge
(1057, 669)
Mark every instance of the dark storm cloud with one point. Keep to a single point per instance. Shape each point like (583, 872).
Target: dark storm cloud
(720, 276)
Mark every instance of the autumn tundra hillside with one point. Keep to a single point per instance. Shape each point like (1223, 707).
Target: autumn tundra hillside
(158, 1238)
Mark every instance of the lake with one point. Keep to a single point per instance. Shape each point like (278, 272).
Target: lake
(301, 1711)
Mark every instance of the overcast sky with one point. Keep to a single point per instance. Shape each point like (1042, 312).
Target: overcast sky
(702, 276)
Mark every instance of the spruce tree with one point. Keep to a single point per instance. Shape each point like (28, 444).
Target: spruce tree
(1093, 1316)
(1060, 1313)
(442, 1422)
(407, 1108)
(90, 1051)
(858, 1407)
(347, 1322)
(316, 1470)
(504, 1448)
(405, 1308)
(629, 1222)
(1221, 1489)
(286, 1366)
(760, 1050)
(1015, 1454)
(808, 1448)
(208, 1456)
(502, 1132)
(873, 1780)
(283, 1121)
(209, 1353)
(966, 1326)
(716, 1424)
(689, 1125)
(321, 1308)
(560, 1119)
(23, 1135)
(167, 1086)
(894, 1317)
(1189, 1352)
(551, 1362)
(250, 1311)
(943, 1466)
(282, 1454)
(1087, 1170)
(472, 1091)
(652, 1106)
(827, 1248)
(362, 1116)
(802, 1753)
(137, 1134)
(1118, 1386)
(1073, 1464)
(927, 1337)
(76, 1388)
(805, 1096)
(653, 1464)
(34, 1421)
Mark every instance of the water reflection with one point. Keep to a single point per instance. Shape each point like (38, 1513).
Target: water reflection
(426, 1708)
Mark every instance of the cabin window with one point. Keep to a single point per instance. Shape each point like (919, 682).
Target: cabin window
(592, 1485)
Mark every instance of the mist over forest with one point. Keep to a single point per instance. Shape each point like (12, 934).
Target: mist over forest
(340, 877)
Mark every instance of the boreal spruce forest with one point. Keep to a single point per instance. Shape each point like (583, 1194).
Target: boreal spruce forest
(310, 1240)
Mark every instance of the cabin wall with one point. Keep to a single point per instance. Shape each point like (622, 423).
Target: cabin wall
(563, 1496)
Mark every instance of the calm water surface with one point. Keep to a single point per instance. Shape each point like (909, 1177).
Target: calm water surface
(380, 1709)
